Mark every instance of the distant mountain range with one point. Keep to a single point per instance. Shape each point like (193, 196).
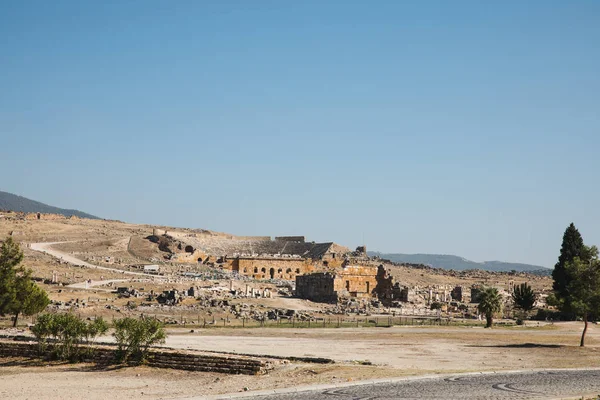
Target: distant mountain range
(12, 202)
(459, 263)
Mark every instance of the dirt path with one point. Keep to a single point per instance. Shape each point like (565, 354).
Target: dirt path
(47, 249)
(93, 284)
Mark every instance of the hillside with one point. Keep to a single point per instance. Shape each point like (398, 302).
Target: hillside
(12, 202)
(458, 263)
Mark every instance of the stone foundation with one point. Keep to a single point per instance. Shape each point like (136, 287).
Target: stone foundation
(156, 359)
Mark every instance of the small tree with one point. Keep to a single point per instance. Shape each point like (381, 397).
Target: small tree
(18, 293)
(490, 303)
(584, 289)
(29, 297)
(135, 336)
(524, 297)
(10, 257)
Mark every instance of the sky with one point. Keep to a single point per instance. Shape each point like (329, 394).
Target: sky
(466, 127)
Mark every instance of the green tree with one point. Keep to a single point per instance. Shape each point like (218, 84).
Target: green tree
(584, 289)
(524, 297)
(10, 257)
(490, 303)
(29, 298)
(572, 247)
(135, 336)
(18, 293)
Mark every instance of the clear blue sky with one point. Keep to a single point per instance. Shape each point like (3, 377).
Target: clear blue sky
(464, 127)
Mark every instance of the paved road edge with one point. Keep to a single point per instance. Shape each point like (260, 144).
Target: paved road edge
(308, 388)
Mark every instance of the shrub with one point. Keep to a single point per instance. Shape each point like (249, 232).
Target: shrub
(68, 332)
(135, 336)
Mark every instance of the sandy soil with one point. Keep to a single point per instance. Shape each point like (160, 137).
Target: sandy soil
(440, 349)
(23, 380)
(395, 351)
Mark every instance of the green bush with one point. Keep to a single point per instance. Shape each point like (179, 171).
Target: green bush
(135, 336)
(68, 331)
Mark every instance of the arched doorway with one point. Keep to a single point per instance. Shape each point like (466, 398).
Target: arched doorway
(272, 273)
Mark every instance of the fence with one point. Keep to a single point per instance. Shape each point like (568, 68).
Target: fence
(326, 322)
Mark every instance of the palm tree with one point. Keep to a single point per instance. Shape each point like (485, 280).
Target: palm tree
(490, 303)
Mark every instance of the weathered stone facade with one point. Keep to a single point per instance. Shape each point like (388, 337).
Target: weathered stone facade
(319, 287)
(387, 290)
(272, 267)
(348, 281)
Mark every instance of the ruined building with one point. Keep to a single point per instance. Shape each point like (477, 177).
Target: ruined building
(348, 281)
(285, 257)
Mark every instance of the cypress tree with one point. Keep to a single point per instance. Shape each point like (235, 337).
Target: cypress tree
(572, 247)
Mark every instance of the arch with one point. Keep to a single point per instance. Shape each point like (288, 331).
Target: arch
(297, 270)
(245, 269)
(272, 273)
(189, 249)
(279, 271)
(288, 271)
(263, 270)
(255, 270)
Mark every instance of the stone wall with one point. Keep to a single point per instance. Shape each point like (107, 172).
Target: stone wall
(156, 359)
(299, 239)
(271, 268)
(387, 290)
(349, 281)
(42, 216)
(461, 294)
(189, 258)
(356, 280)
(317, 287)
(252, 238)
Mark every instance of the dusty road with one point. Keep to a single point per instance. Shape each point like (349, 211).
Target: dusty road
(47, 249)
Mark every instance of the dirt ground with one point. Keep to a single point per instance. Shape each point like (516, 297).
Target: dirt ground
(397, 351)
(443, 349)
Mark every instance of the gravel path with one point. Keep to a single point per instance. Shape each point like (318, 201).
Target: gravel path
(518, 385)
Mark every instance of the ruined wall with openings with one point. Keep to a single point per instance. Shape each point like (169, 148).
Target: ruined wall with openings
(356, 280)
(349, 281)
(271, 268)
(193, 257)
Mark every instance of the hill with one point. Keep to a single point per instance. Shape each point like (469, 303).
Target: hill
(459, 263)
(12, 202)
